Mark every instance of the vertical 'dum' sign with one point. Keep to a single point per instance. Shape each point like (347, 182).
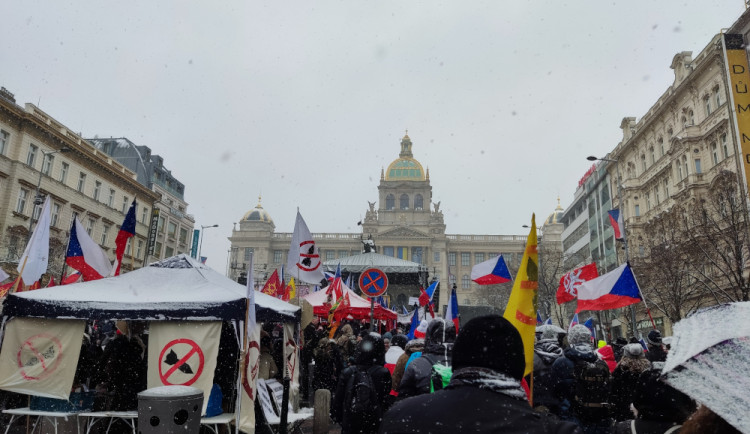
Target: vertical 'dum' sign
(739, 81)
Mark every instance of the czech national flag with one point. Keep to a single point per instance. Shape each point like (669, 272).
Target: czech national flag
(491, 272)
(451, 313)
(570, 281)
(127, 230)
(539, 319)
(85, 255)
(590, 325)
(618, 288)
(573, 321)
(615, 217)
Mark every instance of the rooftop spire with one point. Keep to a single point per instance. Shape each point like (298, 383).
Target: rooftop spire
(406, 147)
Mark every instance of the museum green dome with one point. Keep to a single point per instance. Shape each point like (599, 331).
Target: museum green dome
(405, 168)
(257, 214)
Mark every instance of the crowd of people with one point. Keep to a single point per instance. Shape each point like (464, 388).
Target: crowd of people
(474, 381)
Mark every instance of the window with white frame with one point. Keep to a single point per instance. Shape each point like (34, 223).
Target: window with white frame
(4, 140)
(37, 211)
(144, 215)
(656, 194)
(23, 195)
(248, 251)
(637, 210)
(97, 189)
(64, 173)
(715, 153)
(685, 164)
(648, 202)
(129, 246)
(707, 104)
(105, 234)
(172, 229)
(111, 198)
(139, 249)
(465, 281)
(660, 141)
(643, 163)
(125, 204)
(652, 154)
(666, 188)
(55, 214)
(717, 96)
(90, 226)
(724, 144)
(81, 182)
(697, 162)
(183, 235)
(277, 256)
(465, 259)
(478, 257)
(31, 155)
(679, 170)
(47, 163)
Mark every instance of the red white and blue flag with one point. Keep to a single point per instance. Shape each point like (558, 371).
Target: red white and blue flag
(491, 272)
(451, 313)
(539, 319)
(334, 289)
(615, 217)
(569, 282)
(573, 321)
(590, 325)
(425, 298)
(618, 288)
(85, 255)
(127, 230)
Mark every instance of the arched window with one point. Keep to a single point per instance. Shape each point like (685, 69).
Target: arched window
(403, 202)
(465, 281)
(390, 202)
(418, 202)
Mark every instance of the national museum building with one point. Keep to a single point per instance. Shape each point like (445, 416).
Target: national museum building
(404, 223)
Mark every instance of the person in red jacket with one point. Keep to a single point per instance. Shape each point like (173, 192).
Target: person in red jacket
(607, 354)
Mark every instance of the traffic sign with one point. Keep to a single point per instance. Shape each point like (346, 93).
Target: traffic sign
(373, 282)
(39, 357)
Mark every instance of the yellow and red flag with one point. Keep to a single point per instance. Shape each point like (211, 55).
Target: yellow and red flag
(290, 291)
(522, 305)
(272, 285)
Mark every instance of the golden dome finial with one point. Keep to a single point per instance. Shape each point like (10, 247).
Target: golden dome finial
(258, 206)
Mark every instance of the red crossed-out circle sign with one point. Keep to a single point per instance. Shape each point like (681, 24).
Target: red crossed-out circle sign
(186, 350)
(44, 350)
(251, 372)
(373, 282)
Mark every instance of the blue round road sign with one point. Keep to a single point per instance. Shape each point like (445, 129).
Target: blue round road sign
(373, 282)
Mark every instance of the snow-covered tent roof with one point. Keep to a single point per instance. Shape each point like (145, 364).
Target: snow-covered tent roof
(177, 288)
(360, 263)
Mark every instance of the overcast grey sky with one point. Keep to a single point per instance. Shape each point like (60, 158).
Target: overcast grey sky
(305, 102)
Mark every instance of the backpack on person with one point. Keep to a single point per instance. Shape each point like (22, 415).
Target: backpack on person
(362, 409)
(440, 375)
(590, 401)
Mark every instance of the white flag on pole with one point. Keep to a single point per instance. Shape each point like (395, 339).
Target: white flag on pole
(36, 255)
(303, 261)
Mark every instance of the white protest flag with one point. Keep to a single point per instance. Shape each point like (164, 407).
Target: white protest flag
(39, 356)
(250, 358)
(183, 354)
(303, 261)
(35, 258)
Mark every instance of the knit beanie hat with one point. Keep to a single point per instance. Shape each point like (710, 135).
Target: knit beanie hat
(654, 337)
(490, 342)
(579, 334)
(549, 333)
(634, 351)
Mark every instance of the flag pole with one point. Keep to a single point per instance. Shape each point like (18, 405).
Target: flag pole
(65, 257)
(643, 299)
(20, 273)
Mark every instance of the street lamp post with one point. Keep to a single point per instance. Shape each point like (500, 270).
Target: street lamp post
(37, 197)
(622, 229)
(200, 246)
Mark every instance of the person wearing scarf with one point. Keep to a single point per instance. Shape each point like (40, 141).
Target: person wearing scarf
(484, 394)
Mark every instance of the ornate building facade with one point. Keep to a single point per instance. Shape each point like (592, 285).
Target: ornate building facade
(40, 157)
(404, 223)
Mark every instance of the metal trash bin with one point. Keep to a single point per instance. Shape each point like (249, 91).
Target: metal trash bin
(170, 409)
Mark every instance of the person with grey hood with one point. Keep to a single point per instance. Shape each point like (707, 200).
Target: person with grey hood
(438, 341)
(546, 351)
(581, 383)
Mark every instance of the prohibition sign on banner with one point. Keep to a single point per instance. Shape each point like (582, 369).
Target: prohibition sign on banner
(181, 352)
(41, 353)
(373, 282)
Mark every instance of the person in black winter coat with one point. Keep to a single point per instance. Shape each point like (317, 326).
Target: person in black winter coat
(656, 351)
(437, 349)
(484, 394)
(625, 380)
(369, 356)
(546, 351)
(591, 416)
(660, 407)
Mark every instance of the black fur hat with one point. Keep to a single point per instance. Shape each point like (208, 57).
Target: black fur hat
(490, 342)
